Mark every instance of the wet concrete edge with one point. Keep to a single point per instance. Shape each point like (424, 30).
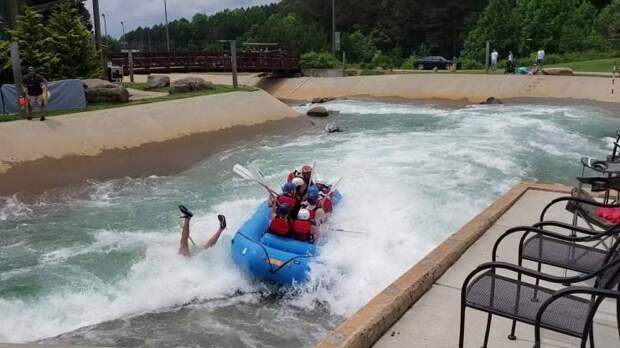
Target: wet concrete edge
(370, 322)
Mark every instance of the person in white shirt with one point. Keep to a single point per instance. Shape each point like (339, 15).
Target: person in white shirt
(494, 56)
(540, 57)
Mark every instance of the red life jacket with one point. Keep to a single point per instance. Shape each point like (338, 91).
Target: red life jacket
(326, 204)
(279, 226)
(292, 175)
(284, 199)
(302, 229)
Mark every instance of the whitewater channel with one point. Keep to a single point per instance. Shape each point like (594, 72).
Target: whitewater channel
(97, 264)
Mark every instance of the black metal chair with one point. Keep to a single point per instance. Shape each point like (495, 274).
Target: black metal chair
(485, 290)
(559, 250)
(583, 205)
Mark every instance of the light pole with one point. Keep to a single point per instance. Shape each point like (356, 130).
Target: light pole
(167, 26)
(334, 27)
(124, 38)
(97, 21)
(105, 24)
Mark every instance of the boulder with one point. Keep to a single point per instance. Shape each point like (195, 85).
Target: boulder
(104, 91)
(492, 101)
(318, 111)
(190, 84)
(157, 81)
(321, 100)
(558, 71)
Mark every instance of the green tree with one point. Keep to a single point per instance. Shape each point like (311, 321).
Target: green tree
(76, 56)
(499, 24)
(35, 44)
(608, 23)
(359, 48)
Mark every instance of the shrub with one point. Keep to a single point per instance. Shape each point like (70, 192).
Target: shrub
(319, 60)
(410, 62)
(381, 60)
(470, 64)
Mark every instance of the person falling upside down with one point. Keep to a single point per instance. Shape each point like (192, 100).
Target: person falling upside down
(184, 245)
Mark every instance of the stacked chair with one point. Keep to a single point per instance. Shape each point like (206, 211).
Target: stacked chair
(589, 256)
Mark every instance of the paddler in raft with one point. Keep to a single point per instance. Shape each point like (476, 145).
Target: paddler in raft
(187, 216)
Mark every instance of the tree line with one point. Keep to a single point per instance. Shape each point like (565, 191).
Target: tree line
(394, 32)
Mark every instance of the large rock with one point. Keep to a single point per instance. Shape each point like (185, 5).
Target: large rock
(320, 100)
(190, 84)
(104, 91)
(318, 111)
(157, 81)
(492, 101)
(558, 71)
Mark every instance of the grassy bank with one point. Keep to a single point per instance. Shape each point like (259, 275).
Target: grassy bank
(103, 106)
(598, 65)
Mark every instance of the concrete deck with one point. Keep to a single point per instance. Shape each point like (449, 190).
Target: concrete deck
(433, 321)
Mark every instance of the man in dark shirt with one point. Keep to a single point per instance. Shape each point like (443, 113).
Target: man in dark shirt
(34, 86)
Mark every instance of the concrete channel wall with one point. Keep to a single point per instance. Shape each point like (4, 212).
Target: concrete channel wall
(369, 323)
(146, 139)
(456, 87)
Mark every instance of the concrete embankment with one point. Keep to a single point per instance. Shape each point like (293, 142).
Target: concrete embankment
(455, 87)
(159, 138)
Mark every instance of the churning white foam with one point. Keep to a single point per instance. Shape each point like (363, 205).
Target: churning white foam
(160, 279)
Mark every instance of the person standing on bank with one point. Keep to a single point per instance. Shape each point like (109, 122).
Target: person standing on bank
(35, 86)
(494, 57)
(540, 58)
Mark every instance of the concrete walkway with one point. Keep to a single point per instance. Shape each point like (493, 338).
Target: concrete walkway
(434, 320)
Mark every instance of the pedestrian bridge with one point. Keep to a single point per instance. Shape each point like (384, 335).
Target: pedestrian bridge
(275, 61)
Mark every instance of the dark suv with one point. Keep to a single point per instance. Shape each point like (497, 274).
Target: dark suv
(432, 62)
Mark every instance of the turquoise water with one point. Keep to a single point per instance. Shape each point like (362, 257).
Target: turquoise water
(97, 264)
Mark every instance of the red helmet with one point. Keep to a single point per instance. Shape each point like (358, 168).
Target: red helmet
(306, 169)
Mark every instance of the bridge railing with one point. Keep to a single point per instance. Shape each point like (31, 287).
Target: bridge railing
(276, 61)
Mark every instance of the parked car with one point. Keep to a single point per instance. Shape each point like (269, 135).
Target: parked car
(432, 62)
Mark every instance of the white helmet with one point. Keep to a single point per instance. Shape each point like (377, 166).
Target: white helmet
(304, 214)
(319, 181)
(298, 181)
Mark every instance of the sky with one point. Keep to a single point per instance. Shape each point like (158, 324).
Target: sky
(135, 13)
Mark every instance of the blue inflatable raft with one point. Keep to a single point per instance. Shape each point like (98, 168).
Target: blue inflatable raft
(269, 257)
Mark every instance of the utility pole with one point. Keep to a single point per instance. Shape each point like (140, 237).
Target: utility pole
(486, 57)
(167, 26)
(97, 21)
(105, 24)
(334, 27)
(14, 48)
(124, 38)
(233, 61)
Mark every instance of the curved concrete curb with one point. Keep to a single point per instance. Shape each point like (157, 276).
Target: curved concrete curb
(455, 87)
(368, 324)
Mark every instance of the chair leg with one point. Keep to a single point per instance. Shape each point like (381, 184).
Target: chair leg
(462, 329)
(486, 333)
(512, 335)
(591, 335)
(618, 315)
(535, 297)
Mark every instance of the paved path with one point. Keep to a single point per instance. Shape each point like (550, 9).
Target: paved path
(434, 320)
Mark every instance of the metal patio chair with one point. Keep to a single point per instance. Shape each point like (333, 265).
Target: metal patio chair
(557, 310)
(584, 206)
(563, 251)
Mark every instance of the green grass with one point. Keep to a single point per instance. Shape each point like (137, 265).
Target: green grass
(598, 65)
(142, 87)
(102, 106)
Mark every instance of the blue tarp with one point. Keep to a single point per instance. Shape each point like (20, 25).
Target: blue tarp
(63, 95)
(1, 102)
